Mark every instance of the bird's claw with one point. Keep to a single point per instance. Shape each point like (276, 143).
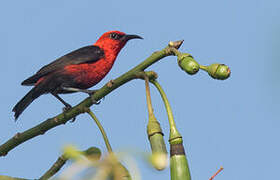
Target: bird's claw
(73, 120)
(97, 102)
(90, 93)
(94, 101)
(67, 108)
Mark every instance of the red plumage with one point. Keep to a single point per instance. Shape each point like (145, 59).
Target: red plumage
(76, 71)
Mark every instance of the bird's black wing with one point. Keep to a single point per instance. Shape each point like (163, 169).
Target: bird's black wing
(88, 54)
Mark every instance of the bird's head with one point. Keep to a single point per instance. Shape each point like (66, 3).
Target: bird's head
(114, 41)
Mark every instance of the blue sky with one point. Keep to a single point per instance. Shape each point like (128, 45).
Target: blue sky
(232, 123)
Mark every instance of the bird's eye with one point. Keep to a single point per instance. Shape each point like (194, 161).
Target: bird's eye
(115, 36)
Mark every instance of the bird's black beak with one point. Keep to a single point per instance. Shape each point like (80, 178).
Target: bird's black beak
(127, 37)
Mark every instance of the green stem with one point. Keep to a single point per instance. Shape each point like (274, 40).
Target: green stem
(174, 133)
(106, 140)
(203, 68)
(148, 96)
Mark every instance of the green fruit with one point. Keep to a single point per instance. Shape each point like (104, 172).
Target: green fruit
(218, 71)
(188, 64)
(155, 135)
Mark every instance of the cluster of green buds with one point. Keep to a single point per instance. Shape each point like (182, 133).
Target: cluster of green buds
(217, 71)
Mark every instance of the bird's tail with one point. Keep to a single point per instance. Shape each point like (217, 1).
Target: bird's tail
(34, 93)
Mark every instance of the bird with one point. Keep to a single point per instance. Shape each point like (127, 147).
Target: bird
(76, 71)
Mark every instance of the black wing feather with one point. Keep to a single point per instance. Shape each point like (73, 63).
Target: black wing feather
(88, 54)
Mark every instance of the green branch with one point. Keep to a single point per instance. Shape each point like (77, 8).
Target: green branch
(92, 151)
(62, 118)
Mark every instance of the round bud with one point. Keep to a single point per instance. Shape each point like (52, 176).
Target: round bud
(93, 153)
(188, 64)
(218, 71)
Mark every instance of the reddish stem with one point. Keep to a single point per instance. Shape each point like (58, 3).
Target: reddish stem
(216, 173)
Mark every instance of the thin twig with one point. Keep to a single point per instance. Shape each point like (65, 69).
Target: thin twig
(216, 173)
(106, 140)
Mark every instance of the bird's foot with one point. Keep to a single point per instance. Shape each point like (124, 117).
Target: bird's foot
(94, 101)
(90, 93)
(67, 108)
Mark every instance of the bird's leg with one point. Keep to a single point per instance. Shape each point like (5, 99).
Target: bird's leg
(67, 106)
(89, 92)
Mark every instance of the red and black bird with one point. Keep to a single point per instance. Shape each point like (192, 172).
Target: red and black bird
(76, 71)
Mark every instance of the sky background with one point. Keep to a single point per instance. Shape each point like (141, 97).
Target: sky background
(233, 123)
